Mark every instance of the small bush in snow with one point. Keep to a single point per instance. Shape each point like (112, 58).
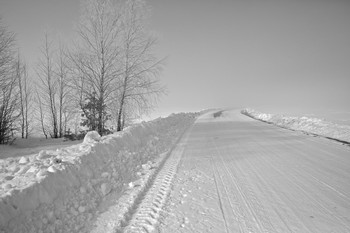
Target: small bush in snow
(92, 137)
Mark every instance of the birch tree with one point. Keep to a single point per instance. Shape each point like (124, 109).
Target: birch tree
(48, 85)
(139, 80)
(114, 63)
(24, 97)
(95, 57)
(41, 114)
(53, 88)
(63, 89)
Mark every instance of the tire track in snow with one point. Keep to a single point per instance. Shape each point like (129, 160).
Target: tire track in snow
(257, 210)
(220, 196)
(145, 214)
(255, 219)
(334, 189)
(267, 169)
(318, 203)
(295, 181)
(307, 175)
(286, 213)
(294, 219)
(279, 208)
(332, 157)
(236, 208)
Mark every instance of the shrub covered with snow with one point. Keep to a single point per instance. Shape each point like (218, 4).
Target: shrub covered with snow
(92, 137)
(305, 124)
(58, 191)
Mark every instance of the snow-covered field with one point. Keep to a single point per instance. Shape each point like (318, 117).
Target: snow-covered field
(305, 124)
(24, 147)
(68, 189)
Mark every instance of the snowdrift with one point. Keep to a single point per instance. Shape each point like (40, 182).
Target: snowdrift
(304, 124)
(58, 191)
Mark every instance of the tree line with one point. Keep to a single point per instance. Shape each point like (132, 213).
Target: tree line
(107, 76)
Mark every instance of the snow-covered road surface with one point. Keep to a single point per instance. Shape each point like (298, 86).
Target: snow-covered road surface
(241, 175)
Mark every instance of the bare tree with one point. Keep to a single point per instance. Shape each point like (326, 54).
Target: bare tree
(114, 63)
(63, 91)
(95, 57)
(48, 85)
(8, 85)
(24, 96)
(27, 90)
(54, 88)
(41, 112)
(139, 83)
(19, 77)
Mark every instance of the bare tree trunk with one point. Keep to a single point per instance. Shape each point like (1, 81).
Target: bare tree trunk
(62, 76)
(65, 123)
(124, 119)
(41, 115)
(119, 120)
(48, 85)
(101, 100)
(19, 77)
(26, 102)
(121, 109)
(60, 111)
(24, 97)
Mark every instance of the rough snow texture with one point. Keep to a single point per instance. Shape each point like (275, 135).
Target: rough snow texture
(149, 209)
(120, 211)
(304, 124)
(30, 146)
(58, 191)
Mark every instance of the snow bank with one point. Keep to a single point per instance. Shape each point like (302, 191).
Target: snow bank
(59, 191)
(305, 124)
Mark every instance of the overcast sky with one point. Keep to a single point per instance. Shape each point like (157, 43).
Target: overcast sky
(269, 54)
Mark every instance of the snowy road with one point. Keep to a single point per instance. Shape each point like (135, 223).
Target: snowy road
(241, 175)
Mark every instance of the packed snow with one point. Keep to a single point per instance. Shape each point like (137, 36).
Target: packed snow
(240, 175)
(24, 147)
(65, 190)
(305, 124)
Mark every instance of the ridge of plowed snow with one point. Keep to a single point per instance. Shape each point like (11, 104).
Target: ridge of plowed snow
(59, 191)
(148, 211)
(305, 124)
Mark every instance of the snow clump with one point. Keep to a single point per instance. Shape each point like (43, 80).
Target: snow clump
(92, 137)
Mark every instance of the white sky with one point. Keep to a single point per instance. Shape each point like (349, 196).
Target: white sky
(271, 54)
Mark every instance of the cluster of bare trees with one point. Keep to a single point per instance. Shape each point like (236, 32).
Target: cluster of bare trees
(25, 98)
(114, 61)
(52, 92)
(108, 76)
(8, 98)
(140, 67)
(14, 89)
